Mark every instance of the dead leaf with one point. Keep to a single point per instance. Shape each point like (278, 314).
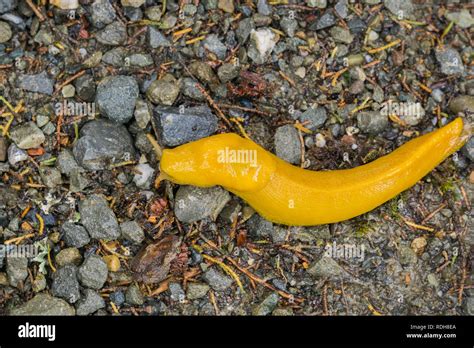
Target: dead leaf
(152, 264)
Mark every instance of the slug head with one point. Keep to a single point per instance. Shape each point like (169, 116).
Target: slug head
(227, 160)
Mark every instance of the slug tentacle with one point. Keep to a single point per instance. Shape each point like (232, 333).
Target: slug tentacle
(286, 194)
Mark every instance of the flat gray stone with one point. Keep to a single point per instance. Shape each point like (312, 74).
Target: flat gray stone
(98, 218)
(196, 203)
(176, 128)
(44, 304)
(39, 83)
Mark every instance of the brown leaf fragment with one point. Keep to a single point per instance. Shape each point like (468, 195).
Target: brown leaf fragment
(152, 263)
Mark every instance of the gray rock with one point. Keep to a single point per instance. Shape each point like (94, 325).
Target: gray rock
(113, 34)
(228, 72)
(196, 291)
(315, 117)
(262, 42)
(176, 128)
(403, 9)
(263, 8)
(216, 279)
(7, 5)
(214, 45)
(341, 8)
(69, 256)
(132, 3)
(246, 25)
(340, 34)
(93, 272)
(372, 121)
(278, 234)
(143, 177)
(51, 177)
(115, 57)
(134, 295)
(469, 306)
(259, 227)
(327, 267)
(102, 143)
(289, 25)
(90, 302)
(140, 60)
(75, 235)
(163, 92)
(39, 83)
(78, 181)
(156, 38)
(132, 231)
(317, 3)
(154, 13)
(3, 149)
(267, 306)
(16, 155)
(462, 103)
(357, 25)
(85, 88)
(98, 218)
(66, 162)
(462, 18)
(116, 97)
(407, 255)
(437, 95)
(5, 32)
(287, 144)
(27, 135)
(93, 60)
(196, 203)
(449, 60)
(44, 304)
(102, 13)
(468, 149)
(168, 21)
(204, 73)
(65, 284)
(4, 167)
(17, 270)
(325, 21)
(226, 5)
(191, 90)
(142, 113)
(176, 292)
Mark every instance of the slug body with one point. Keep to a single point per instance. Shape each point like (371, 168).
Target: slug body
(289, 195)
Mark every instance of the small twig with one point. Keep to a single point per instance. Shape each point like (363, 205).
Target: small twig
(255, 111)
(433, 213)
(325, 299)
(35, 9)
(156, 146)
(379, 49)
(262, 282)
(420, 227)
(463, 280)
(227, 269)
(17, 240)
(213, 104)
(69, 80)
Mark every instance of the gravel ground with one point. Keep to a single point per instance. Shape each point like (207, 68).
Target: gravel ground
(89, 93)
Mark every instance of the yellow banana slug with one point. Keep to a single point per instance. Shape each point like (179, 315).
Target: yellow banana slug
(289, 195)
